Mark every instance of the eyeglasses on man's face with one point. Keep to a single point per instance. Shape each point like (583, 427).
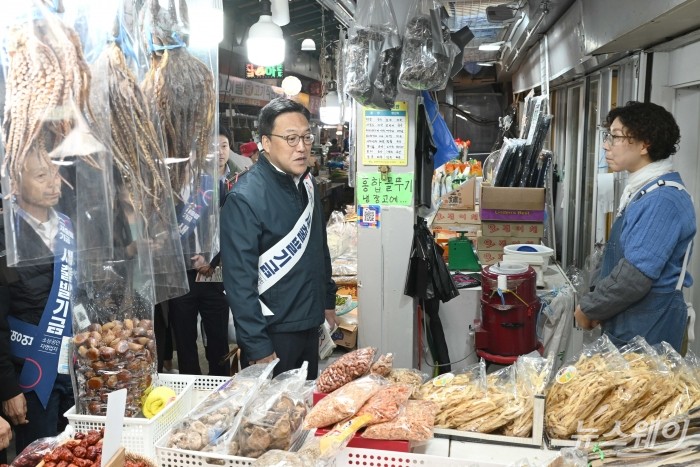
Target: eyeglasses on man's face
(293, 140)
(609, 138)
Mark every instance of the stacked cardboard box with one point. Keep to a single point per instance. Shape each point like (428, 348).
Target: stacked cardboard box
(509, 216)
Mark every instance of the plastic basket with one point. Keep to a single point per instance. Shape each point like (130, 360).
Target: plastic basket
(168, 457)
(140, 434)
(205, 385)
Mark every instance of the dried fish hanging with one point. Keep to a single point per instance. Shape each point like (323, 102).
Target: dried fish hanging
(45, 116)
(182, 93)
(143, 195)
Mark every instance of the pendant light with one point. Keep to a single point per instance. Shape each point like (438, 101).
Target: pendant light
(330, 106)
(308, 44)
(265, 42)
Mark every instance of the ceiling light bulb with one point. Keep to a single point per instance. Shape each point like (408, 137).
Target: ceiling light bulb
(330, 110)
(265, 43)
(291, 86)
(308, 44)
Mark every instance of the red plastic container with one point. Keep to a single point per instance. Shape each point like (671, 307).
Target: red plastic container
(358, 441)
(509, 318)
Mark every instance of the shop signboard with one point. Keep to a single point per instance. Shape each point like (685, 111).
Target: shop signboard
(385, 135)
(264, 72)
(395, 189)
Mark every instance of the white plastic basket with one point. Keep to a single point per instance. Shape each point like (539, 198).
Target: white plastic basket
(168, 457)
(140, 434)
(205, 385)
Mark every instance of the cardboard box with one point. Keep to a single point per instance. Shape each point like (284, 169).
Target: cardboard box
(488, 243)
(457, 216)
(512, 204)
(345, 336)
(462, 197)
(489, 257)
(512, 229)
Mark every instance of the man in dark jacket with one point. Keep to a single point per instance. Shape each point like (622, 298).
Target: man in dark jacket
(276, 265)
(32, 302)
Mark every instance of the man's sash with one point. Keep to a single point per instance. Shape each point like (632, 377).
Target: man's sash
(197, 202)
(277, 261)
(41, 345)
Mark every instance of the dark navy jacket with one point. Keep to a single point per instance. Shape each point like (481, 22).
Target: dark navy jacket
(258, 212)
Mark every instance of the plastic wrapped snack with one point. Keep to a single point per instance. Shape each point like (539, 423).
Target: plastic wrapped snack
(685, 389)
(272, 420)
(383, 365)
(531, 378)
(215, 415)
(578, 387)
(414, 423)
(497, 407)
(373, 55)
(343, 403)
(350, 366)
(642, 358)
(386, 404)
(409, 376)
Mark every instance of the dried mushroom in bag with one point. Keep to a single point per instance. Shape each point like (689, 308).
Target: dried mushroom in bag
(272, 420)
(215, 415)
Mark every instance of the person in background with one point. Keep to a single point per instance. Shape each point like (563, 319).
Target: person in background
(206, 298)
(643, 267)
(334, 149)
(240, 161)
(250, 150)
(227, 165)
(37, 191)
(277, 269)
(346, 144)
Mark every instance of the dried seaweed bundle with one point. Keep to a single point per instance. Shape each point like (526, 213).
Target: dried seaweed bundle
(48, 81)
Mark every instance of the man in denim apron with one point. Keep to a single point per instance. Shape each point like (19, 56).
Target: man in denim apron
(643, 269)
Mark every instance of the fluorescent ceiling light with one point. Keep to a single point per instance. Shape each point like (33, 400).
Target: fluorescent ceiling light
(493, 46)
(491, 63)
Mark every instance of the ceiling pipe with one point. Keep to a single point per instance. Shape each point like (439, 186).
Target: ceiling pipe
(527, 39)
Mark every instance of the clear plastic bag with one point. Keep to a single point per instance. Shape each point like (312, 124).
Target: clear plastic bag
(180, 88)
(428, 50)
(342, 245)
(215, 415)
(414, 423)
(531, 377)
(272, 419)
(459, 396)
(685, 389)
(383, 365)
(344, 402)
(580, 385)
(47, 138)
(373, 54)
(350, 366)
(34, 453)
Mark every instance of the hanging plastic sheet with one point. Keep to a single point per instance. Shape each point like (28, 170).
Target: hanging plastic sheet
(181, 89)
(145, 222)
(55, 170)
(428, 276)
(373, 55)
(428, 50)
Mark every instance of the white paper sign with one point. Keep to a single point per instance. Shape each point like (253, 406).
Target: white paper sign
(116, 404)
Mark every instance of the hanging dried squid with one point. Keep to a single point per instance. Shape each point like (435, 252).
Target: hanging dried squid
(182, 92)
(135, 146)
(47, 88)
